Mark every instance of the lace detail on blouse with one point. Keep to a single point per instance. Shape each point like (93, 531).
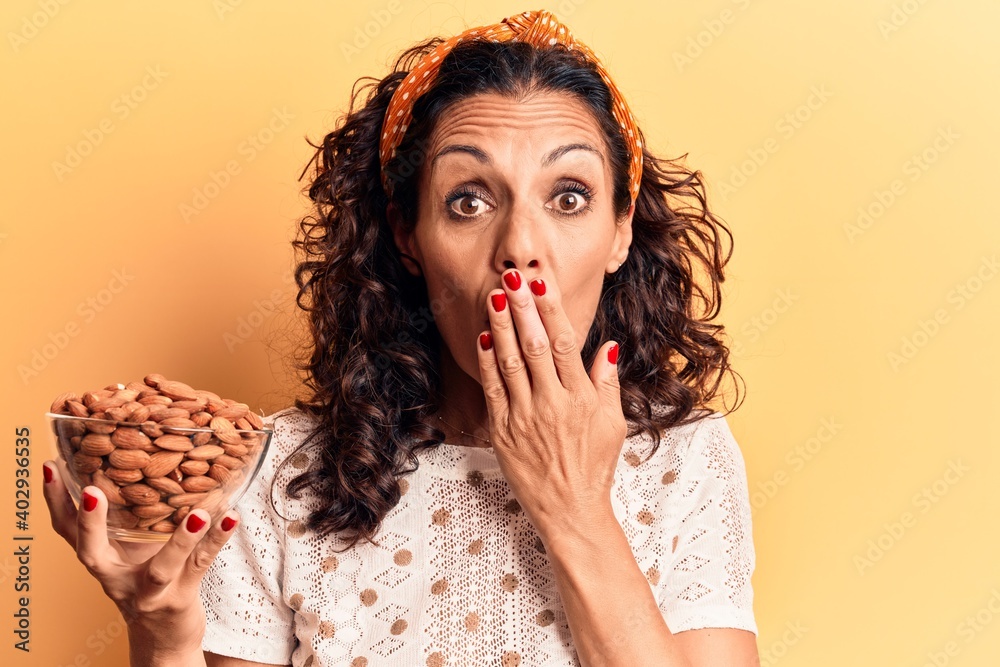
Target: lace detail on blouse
(458, 575)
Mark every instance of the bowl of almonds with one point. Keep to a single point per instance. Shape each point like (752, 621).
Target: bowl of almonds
(158, 449)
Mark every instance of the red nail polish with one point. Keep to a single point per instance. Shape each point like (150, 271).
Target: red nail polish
(513, 280)
(228, 524)
(194, 523)
(613, 353)
(89, 502)
(47, 473)
(499, 302)
(537, 287)
(486, 341)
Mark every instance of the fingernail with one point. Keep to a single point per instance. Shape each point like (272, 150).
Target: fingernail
(486, 340)
(537, 287)
(613, 353)
(499, 302)
(89, 502)
(228, 524)
(47, 473)
(194, 523)
(513, 280)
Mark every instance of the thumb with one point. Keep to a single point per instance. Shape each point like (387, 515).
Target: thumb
(604, 373)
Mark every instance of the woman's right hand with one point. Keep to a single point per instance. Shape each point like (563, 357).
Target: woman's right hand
(154, 585)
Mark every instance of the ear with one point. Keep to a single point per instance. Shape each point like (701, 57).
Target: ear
(622, 241)
(403, 240)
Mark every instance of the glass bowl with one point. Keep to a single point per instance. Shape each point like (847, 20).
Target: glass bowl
(153, 475)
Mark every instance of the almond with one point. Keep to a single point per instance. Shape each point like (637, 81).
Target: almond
(153, 379)
(165, 485)
(168, 413)
(236, 450)
(148, 523)
(139, 415)
(118, 414)
(192, 407)
(138, 387)
(230, 462)
(59, 405)
(161, 510)
(127, 395)
(255, 420)
(202, 438)
(77, 409)
(96, 444)
(177, 390)
(198, 484)
(128, 437)
(205, 452)
(194, 467)
(175, 443)
(151, 428)
(92, 397)
(162, 462)
(105, 404)
(110, 489)
(85, 463)
(180, 514)
(155, 399)
(224, 430)
(100, 427)
(177, 422)
(220, 474)
(119, 517)
(201, 419)
(184, 499)
(164, 526)
(124, 476)
(233, 412)
(128, 459)
(140, 494)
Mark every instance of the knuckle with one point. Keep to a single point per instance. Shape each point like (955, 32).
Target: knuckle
(156, 576)
(511, 365)
(200, 560)
(536, 347)
(495, 392)
(564, 343)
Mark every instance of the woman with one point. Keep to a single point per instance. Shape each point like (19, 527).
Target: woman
(505, 458)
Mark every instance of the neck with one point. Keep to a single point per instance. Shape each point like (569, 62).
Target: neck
(462, 404)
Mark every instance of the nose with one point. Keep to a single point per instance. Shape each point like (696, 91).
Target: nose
(521, 244)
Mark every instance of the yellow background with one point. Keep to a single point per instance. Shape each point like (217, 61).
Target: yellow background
(799, 114)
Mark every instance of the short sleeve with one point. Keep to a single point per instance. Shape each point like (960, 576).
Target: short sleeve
(708, 577)
(246, 616)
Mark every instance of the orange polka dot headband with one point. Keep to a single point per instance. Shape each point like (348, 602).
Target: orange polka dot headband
(539, 28)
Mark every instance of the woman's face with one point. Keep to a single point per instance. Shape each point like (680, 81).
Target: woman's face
(508, 184)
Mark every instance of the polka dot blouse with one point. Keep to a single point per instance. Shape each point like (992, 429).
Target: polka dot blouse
(460, 576)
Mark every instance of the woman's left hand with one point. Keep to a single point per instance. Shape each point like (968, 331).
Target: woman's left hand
(557, 432)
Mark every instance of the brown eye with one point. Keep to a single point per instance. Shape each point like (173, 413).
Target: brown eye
(570, 202)
(470, 205)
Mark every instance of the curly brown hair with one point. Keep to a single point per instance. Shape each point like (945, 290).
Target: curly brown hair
(371, 365)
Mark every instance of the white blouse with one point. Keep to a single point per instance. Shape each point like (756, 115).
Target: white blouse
(459, 576)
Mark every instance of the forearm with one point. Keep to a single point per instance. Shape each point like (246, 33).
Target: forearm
(612, 613)
(145, 651)
(164, 647)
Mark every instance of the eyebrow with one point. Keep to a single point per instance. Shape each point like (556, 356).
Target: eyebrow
(482, 157)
